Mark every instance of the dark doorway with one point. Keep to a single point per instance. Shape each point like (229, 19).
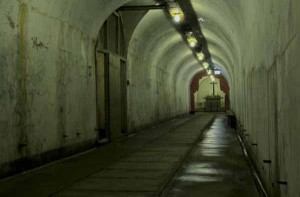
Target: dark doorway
(123, 86)
(102, 96)
(111, 79)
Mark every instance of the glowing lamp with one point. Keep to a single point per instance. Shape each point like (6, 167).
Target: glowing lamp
(177, 18)
(217, 72)
(212, 78)
(205, 65)
(177, 14)
(201, 56)
(209, 72)
(192, 41)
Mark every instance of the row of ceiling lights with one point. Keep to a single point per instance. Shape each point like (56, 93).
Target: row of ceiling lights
(178, 16)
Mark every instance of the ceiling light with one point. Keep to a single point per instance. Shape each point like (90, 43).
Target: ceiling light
(192, 44)
(177, 14)
(177, 18)
(205, 65)
(201, 56)
(192, 41)
(209, 72)
(217, 72)
(212, 78)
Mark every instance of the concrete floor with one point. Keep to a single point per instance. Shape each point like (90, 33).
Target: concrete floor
(201, 164)
(216, 167)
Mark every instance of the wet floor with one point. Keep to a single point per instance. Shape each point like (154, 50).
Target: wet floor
(178, 158)
(140, 165)
(147, 171)
(216, 167)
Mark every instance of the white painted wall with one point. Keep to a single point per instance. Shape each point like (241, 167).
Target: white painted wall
(258, 43)
(159, 89)
(47, 83)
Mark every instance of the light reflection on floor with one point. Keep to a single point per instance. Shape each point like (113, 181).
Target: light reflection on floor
(201, 179)
(216, 167)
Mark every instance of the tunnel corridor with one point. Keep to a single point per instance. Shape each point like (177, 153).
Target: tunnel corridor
(174, 160)
(88, 84)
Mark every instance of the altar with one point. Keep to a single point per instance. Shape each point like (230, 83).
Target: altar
(213, 103)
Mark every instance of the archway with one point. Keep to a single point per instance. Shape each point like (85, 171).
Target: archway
(194, 87)
(111, 94)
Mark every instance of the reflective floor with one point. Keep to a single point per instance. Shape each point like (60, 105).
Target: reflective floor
(140, 165)
(173, 159)
(216, 167)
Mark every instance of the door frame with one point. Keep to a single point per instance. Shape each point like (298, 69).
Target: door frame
(102, 128)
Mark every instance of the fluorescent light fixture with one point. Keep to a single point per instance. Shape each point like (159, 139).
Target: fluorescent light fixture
(201, 56)
(177, 18)
(212, 78)
(205, 65)
(191, 38)
(217, 72)
(192, 44)
(192, 41)
(177, 14)
(209, 72)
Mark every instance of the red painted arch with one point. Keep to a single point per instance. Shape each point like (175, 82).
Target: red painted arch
(194, 87)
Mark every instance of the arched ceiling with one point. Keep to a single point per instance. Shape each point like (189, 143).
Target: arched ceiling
(160, 45)
(156, 44)
(221, 26)
(86, 16)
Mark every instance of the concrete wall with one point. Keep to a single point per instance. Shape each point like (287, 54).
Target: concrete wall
(47, 83)
(158, 87)
(268, 104)
(47, 79)
(258, 43)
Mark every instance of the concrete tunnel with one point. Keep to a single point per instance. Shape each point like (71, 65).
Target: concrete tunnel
(76, 74)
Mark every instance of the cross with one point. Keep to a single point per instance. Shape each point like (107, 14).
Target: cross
(214, 83)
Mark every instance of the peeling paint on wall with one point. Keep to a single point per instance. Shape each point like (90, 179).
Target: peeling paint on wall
(38, 44)
(10, 21)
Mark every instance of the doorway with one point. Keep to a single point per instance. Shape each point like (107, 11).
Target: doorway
(195, 104)
(102, 97)
(111, 80)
